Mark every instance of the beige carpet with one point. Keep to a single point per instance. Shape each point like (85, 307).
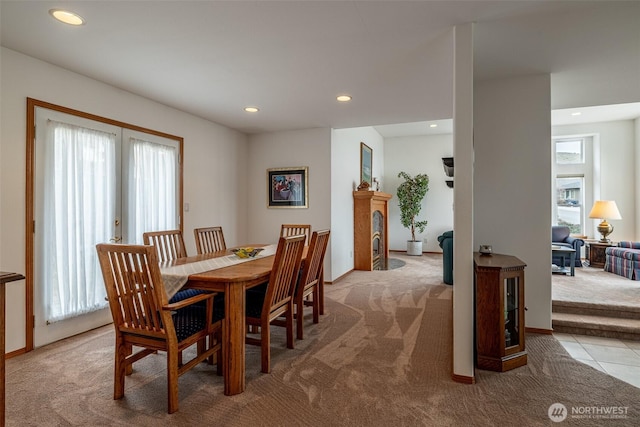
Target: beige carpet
(596, 286)
(381, 356)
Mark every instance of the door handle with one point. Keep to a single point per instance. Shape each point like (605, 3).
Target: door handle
(115, 239)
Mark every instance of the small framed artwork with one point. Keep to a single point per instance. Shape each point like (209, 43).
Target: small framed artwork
(288, 187)
(366, 163)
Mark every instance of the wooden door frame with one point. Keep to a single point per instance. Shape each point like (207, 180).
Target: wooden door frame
(32, 104)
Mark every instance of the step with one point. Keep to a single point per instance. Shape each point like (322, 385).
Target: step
(598, 326)
(592, 309)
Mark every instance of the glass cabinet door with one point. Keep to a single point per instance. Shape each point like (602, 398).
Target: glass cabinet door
(511, 312)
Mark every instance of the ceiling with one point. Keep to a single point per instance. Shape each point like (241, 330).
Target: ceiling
(291, 59)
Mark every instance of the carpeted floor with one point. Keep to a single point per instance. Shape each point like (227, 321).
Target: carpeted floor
(594, 285)
(393, 263)
(380, 356)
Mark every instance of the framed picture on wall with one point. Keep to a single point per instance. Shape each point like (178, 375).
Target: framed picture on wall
(366, 163)
(288, 187)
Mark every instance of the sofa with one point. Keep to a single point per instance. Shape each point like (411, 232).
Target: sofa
(624, 260)
(446, 243)
(561, 236)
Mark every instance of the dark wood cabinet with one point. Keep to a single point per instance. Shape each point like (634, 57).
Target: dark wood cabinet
(595, 253)
(499, 288)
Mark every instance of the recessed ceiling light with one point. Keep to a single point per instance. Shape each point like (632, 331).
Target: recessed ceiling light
(577, 113)
(433, 125)
(343, 98)
(67, 17)
(251, 109)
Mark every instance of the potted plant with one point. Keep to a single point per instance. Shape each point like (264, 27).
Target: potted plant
(411, 192)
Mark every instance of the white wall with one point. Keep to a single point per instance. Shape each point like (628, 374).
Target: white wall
(617, 148)
(414, 155)
(463, 196)
(310, 148)
(214, 163)
(512, 181)
(345, 178)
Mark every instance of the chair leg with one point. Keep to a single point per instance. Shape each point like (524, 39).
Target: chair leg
(316, 305)
(219, 360)
(265, 348)
(201, 347)
(212, 341)
(172, 381)
(299, 318)
(289, 317)
(129, 367)
(321, 292)
(121, 367)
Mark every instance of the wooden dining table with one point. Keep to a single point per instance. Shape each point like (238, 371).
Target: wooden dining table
(233, 280)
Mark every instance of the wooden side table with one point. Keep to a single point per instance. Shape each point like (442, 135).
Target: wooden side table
(595, 253)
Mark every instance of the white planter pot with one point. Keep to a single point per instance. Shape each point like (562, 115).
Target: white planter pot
(414, 247)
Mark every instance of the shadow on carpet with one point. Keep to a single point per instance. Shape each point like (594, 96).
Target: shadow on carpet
(393, 263)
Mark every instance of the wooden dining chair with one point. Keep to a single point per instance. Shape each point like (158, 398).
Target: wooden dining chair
(143, 317)
(169, 244)
(209, 239)
(263, 309)
(311, 280)
(296, 229)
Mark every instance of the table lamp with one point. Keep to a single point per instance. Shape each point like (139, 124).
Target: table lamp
(604, 210)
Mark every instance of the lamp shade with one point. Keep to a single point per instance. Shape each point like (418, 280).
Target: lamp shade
(605, 209)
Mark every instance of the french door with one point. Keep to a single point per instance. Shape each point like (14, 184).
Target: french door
(94, 182)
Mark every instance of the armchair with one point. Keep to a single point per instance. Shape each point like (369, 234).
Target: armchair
(446, 243)
(561, 236)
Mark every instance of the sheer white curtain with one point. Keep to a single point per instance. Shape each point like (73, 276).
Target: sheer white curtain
(152, 191)
(79, 198)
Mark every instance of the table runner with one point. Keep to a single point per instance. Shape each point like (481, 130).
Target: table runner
(176, 276)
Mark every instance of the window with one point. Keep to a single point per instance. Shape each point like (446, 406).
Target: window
(573, 189)
(570, 202)
(94, 180)
(570, 151)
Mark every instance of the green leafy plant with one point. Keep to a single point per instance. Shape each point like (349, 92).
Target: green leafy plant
(410, 195)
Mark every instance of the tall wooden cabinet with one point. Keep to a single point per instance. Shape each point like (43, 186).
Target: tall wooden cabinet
(370, 217)
(499, 282)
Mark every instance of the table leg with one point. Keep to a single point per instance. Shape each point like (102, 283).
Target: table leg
(233, 336)
(572, 259)
(563, 262)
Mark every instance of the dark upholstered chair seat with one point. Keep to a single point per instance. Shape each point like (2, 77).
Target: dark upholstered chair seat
(188, 321)
(254, 304)
(260, 289)
(218, 302)
(184, 294)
